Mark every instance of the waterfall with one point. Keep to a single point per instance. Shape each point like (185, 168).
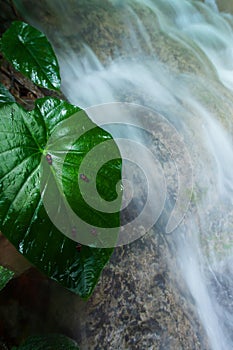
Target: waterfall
(174, 57)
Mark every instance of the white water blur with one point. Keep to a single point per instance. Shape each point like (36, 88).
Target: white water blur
(204, 242)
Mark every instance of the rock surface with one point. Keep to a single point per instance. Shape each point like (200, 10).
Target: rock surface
(140, 302)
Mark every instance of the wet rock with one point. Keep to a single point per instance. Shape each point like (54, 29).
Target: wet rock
(140, 302)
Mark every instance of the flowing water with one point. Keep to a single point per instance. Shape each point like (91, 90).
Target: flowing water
(175, 57)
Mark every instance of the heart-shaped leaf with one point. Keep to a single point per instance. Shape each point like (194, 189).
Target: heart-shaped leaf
(5, 95)
(5, 276)
(49, 342)
(29, 51)
(23, 218)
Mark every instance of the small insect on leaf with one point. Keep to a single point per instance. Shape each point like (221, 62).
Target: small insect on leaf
(49, 159)
(93, 232)
(84, 177)
(79, 247)
(74, 232)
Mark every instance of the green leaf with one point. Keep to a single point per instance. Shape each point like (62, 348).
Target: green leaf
(5, 95)
(23, 218)
(5, 276)
(29, 51)
(49, 342)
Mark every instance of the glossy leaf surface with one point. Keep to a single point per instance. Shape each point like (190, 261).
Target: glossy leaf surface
(29, 51)
(49, 342)
(5, 95)
(5, 276)
(23, 218)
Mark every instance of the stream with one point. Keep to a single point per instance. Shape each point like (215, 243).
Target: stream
(165, 67)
